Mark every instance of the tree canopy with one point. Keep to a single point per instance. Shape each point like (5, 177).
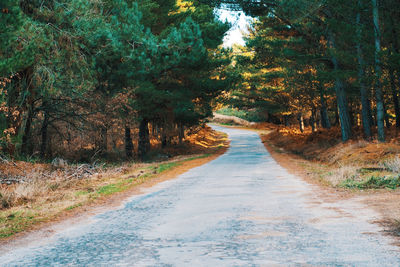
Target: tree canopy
(80, 71)
(338, 57)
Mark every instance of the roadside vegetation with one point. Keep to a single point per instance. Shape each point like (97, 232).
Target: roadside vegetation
(354, 164)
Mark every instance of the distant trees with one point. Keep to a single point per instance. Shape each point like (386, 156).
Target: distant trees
(341, 57)
(94, 73)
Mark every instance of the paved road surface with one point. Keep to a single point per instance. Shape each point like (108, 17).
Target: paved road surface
(241, 209)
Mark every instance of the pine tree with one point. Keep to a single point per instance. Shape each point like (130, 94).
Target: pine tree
(344, 41)
(182, 86)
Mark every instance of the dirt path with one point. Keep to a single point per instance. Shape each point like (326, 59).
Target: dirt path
(39, 216)
(241, 209)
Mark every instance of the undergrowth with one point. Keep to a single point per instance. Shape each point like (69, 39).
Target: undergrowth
(166, 166)
(373, 182)
(250, 115)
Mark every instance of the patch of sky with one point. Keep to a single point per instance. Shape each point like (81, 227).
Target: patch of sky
(240, 24)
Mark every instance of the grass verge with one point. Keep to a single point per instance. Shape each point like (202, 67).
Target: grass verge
(373, 182)
(23, 217)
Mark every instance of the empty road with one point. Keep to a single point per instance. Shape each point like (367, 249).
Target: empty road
(241, 209)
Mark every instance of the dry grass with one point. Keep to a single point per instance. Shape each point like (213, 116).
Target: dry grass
(44, 182)
(337, 176)
(43, 197)
(392, 164)
(354, 161)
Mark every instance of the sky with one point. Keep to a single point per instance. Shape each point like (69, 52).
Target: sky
(239, 23)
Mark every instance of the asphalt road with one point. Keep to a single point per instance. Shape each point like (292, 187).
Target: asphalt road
(241, 209)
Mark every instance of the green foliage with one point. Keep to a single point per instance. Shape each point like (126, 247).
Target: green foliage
(373, 182)
(11, 21)
(16, 222)
(166, 166)
(305, 56)
(73, 206)
(88, 64)
(251, 115)
(109, 189)
(186, 69)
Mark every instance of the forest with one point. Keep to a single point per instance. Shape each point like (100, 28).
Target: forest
(81, 78)
(322, 63)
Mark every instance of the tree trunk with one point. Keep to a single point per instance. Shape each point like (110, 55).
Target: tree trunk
(396, 49)
(128, 142)
(337, 120)
(164, 141)
(366, 115)
(43, 132)
(313, 120)
(268, 117)
(370, 113)
(104, 139)
(25, 145)
(365, 104)
(144, 140)
(323, 111)
(181, 132)
(340, 96)
(380, 112)
(387, 120)
(343, 111)
(366, 112)
(286, 120)
(352, 114)
(301, 122)
(395, 96)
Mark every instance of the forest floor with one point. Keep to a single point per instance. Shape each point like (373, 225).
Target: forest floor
(368, 171)
(40, 194)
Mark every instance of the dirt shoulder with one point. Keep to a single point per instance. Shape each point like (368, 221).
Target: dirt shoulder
(65, 198)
